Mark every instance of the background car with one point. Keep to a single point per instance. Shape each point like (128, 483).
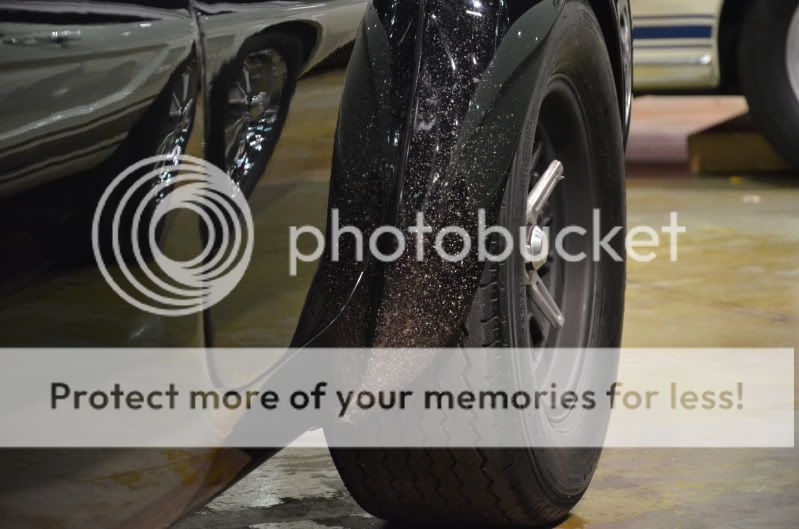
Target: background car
(448, 107)
(748, 47)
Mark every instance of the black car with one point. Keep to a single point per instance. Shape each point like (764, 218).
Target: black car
(448, 106)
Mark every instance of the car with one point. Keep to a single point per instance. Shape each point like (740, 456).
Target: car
(447, 107)
(748, 47)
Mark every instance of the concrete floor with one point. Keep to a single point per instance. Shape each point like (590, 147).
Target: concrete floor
(736, 284)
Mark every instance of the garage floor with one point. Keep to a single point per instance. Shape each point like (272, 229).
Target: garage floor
(736, 284)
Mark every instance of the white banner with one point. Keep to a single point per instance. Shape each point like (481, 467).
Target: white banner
(397, 398)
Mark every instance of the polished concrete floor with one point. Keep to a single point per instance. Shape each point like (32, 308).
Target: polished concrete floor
(736, 283)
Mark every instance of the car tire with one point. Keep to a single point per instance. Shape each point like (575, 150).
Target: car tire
(768, 66)
(528, 486)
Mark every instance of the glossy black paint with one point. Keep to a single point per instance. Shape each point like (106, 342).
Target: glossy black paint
(394, 73)
(436, 95)
(435, 98)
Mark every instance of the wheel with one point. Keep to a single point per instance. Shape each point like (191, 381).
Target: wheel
(163, 130)
(768, 67)
(249, 104)
(574, 118)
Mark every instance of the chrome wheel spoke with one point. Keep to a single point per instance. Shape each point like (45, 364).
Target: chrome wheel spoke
(543, 190)
(546, 216)
(542, 307)
(544, 303)
(186, 81)
(243, 94)
(181, 103)
(247, 81)
(235, 132)
(177, 104)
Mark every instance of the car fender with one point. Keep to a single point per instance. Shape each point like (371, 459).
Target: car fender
(433, 108)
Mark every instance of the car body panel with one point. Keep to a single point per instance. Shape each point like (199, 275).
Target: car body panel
(76, 111)
(437, 138)
(105, 75)
(51, 292)
(676, 44)
(411, 126)
(443, 129)
(444, 148)
(226, 25)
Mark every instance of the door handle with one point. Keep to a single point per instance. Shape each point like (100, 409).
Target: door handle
(61, 37)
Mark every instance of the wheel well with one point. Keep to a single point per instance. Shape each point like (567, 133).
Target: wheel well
(730, 22)
(307, 32)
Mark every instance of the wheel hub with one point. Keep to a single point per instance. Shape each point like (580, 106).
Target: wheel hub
(538, 247)
(537, 250)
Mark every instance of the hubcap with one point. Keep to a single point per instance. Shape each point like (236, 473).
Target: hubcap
(792, 53)
(538, 245)
(253, 112)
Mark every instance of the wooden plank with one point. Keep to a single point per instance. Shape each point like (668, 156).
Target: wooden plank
(731, 147)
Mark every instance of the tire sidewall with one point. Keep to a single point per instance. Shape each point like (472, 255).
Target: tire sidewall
(570, 51)
(763, 74)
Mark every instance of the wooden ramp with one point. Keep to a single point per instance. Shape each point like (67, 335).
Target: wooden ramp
(734, 146)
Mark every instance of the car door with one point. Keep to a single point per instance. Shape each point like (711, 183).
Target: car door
(87, 90)
(676, 44)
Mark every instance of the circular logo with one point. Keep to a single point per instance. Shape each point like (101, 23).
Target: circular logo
(136, 204)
